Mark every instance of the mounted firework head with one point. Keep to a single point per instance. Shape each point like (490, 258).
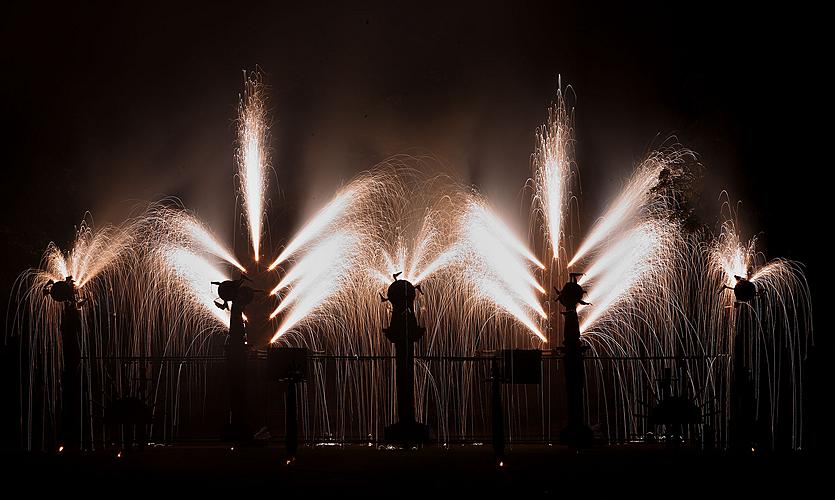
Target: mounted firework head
(572, 293)
(401, 293)
(233, 291)
(744, 290)
(61, 291)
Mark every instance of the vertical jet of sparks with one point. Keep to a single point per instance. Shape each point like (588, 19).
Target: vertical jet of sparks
(253, 158)
(552, 167)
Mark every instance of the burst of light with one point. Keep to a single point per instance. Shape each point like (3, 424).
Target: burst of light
(91, 253)
(253, 158)
(731, 255)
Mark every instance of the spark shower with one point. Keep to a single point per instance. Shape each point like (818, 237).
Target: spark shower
(657, 285)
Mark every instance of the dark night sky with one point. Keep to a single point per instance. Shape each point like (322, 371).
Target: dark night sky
(106, 105)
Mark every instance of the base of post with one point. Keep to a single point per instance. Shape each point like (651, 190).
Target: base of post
(407, 433)
(239, 434)
(577, 435)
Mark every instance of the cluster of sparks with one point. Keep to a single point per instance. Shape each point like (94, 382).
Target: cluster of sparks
(477, 273)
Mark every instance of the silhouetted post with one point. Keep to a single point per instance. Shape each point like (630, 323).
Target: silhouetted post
(289, 364)
(65, 293)
(71, 376)
(743, 403)
(498, 413)
(576, 433)
(236, 366)
(291, 438)
(403, 332)
(236, 352)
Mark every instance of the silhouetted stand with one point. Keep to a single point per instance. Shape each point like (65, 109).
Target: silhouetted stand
(289, 364)
(403, 332)
(236, 371)
(291, 438)
(70, 435)
(742, 417)
(576, 433)
(743, 401)
(497, 413)
(236, 353)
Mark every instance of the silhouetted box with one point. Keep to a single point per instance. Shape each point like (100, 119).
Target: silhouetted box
(521, 366)
(285, 363)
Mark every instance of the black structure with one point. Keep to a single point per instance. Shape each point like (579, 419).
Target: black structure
(576, 433)
(497, 417)
(403, 332)
(65, 292)
(289, 364)
(511, 366)
(240, 296)
(673, 410)
(742, 422)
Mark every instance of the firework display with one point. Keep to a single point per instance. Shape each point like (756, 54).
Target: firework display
(661, 304)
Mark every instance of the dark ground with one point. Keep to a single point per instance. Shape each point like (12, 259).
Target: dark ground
(358, 470)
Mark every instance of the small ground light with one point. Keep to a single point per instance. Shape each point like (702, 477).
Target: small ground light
(61, 449)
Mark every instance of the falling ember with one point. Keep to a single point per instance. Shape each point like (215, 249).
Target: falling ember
(552, 168)
(634, 197)
(320, 222)
(253, 158)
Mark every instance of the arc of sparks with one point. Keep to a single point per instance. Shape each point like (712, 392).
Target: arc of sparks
(317, 225)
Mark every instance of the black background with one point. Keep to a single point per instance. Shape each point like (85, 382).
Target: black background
(105, 105)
